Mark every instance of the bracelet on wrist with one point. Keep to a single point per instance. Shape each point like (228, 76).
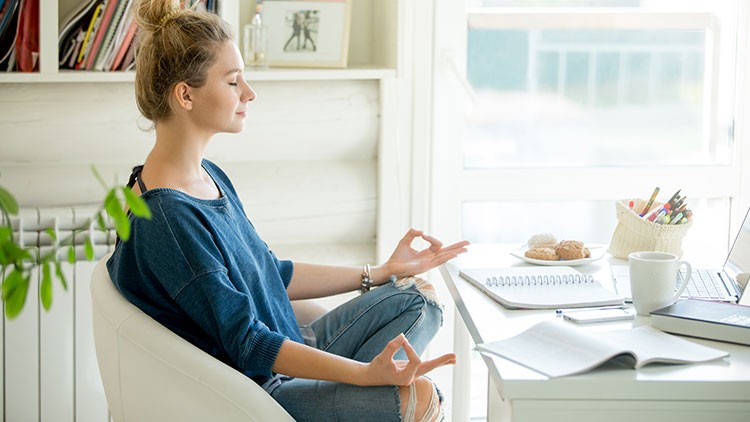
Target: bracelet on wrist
(366, 282)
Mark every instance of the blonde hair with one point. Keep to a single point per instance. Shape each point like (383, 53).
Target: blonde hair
(174, 45)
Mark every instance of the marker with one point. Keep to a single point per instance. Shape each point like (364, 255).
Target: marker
(662, 212)
(650, 202)
(677, 218)
(674, 197)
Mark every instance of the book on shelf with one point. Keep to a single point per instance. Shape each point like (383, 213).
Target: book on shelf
(556, 348)
(27, 38)
(8, 31)
(699, 318)
(541, 287)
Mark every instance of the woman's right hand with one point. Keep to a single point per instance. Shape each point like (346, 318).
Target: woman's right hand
(384, 370)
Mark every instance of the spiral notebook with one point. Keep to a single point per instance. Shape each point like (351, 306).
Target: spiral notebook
(541, 287)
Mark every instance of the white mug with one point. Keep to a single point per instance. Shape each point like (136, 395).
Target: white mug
(653, 280)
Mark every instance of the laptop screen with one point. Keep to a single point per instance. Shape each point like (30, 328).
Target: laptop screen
(738, 261)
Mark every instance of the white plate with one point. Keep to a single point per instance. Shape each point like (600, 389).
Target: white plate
(597, 253)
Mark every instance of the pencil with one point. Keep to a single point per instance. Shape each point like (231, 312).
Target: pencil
(650, 202)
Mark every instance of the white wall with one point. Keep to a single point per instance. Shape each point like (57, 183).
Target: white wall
(305, 166)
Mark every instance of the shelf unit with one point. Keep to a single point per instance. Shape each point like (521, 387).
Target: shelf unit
(370, 56)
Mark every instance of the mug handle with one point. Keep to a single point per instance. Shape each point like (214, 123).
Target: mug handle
(689, 271)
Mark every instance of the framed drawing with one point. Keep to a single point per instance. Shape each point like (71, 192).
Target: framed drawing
(307, 33)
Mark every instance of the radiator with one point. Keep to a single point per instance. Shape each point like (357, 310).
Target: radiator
(49, 370)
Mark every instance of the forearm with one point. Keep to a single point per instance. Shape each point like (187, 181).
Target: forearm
(312, 281)
(298, 360)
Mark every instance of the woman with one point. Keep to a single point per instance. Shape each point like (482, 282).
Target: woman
(199, 268)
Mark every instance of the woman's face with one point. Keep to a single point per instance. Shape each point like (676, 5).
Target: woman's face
(220, 105)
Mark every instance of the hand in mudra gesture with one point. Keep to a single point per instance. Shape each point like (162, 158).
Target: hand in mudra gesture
(407, 261)
(384, 370)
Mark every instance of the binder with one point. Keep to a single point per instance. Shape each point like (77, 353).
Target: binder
(541, 288)
(27, 39)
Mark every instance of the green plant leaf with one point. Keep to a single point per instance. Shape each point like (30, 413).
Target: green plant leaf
(45, 289)
(72, 254)
(89, 247)
(15, 297)
(100, 222)
(6, 234)
(137, 205)
(11, 282)
(98, 176)
(52, 233)
(61, 275)
(114, 209)
(8, 202)
(15, 253)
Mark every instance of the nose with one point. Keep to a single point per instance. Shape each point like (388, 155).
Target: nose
(248, 94)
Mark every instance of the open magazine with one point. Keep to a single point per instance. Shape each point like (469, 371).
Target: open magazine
(556, 348)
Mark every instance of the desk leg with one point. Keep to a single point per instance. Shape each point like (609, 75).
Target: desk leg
(498, 410)
(461, 371)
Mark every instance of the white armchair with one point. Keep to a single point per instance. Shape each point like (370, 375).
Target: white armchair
(151, 374)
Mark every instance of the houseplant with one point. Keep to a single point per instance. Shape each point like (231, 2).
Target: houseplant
(17, 262)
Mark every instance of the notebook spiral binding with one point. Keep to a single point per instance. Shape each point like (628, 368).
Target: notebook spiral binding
(542, 280)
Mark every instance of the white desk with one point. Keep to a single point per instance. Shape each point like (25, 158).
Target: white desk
(713, 391)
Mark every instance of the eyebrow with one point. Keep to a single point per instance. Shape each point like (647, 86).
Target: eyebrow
(235, 70)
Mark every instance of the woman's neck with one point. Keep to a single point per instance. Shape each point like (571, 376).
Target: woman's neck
(175, 162)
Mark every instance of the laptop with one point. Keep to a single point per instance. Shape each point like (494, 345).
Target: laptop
(707, 284)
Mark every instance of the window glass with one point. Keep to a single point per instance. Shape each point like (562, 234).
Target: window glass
(598, 97)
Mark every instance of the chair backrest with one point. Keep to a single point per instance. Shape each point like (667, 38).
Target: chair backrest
(151, 374)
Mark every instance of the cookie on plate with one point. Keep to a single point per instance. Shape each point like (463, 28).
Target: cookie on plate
(546, 254)
(571, 249)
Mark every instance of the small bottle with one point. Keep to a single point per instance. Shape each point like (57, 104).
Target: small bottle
(256, 42)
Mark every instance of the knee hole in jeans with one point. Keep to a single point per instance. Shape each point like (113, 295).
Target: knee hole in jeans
(422, 402)
(423, 286)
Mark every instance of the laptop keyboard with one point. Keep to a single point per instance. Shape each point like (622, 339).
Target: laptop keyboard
(704, 284)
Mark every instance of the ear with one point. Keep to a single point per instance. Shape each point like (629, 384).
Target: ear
(182, 95)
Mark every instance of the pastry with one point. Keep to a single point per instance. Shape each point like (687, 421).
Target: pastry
(546, 254)
(542, 240)
(571, 249)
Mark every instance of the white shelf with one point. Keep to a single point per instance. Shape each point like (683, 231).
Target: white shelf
(298, 74)
(273, 74)
(369, 17)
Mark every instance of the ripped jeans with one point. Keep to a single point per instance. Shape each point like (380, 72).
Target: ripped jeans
(359, 329)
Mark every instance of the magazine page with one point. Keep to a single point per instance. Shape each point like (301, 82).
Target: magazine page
(554, 348)
(651, 345)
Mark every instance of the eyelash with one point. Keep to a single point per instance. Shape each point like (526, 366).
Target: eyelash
(233, 83)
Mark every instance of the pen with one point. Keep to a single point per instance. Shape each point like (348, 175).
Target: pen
(674, 197)
(602, 308)
(650, 202)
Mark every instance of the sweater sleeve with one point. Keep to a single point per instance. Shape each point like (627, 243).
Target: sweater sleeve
(228, 316)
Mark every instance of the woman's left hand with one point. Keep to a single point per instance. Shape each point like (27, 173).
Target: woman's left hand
(407, 261)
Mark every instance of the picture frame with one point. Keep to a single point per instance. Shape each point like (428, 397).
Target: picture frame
(307, 33)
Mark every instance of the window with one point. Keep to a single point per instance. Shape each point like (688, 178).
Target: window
(569, 108)
(547, 112)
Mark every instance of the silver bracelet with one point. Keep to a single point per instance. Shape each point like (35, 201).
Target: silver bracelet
(366, 283)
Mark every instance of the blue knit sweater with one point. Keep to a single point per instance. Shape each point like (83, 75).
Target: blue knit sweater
(200, 269)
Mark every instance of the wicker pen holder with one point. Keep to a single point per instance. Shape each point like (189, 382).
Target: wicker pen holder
(634, 233)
